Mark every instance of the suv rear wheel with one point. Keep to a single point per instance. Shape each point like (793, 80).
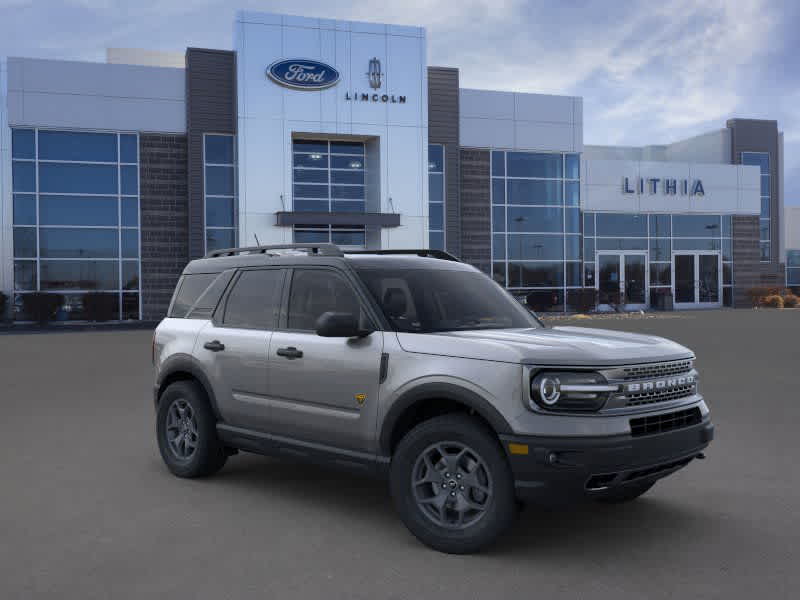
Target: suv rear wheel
(187, 433)
(452, 485)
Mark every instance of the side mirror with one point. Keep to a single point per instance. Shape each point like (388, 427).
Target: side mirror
(336, 324)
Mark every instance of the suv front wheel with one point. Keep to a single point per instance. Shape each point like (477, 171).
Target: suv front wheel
(187, 432)
(452, 485)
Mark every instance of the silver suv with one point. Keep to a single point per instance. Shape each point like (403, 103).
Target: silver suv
(416, 367)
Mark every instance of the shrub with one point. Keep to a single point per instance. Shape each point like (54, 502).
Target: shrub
(790, 301)
(758, 295)
(773, 301)
(41, 306)
(98, 306)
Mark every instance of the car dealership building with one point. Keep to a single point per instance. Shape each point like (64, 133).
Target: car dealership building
(114, 175)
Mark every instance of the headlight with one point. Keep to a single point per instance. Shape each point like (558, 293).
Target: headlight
(575, 391)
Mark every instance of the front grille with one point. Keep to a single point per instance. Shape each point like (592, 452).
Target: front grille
(665, 422)
(657, 370)
(654, 396)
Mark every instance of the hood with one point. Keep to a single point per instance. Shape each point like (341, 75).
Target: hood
(578, 346)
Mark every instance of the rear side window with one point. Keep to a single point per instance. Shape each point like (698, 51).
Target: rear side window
(189, 290)
(254, 300)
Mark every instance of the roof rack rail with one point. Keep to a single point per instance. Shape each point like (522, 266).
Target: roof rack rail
(312, 249)
(423, 252)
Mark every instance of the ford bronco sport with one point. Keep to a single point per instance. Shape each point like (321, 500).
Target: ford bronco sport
(417, 367)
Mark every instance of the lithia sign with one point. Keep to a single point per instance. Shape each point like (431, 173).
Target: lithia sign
(306, 74)
(667, 186)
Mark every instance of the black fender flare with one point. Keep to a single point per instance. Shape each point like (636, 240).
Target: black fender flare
(443, 391)
(187, 364)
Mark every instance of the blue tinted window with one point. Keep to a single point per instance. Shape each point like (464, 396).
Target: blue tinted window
(535, 247)
(573, 274)
(436, 240)
(499, 246)
(128, 149)
(695, 244)
(77, 210)
(625, 225)
(435, 158)
(660, 226)
(80, 275)
(347, 148)
(347, 192)
(759, 159)
(130, 212)
(572, 220)
(310, 191)
(498, 164)
(25, 275)
(766, 251)
(80, 146)
(529, 191)
(588, 224)
(219, 181)
(219, 149)
(498, 191)
(727, 249)
(78, 243)
(436, 216)
(130, 275)
(311, 205)
(310, 146)
(23, 143)
(696, 225)
(765, 185)
(573, 166)
(130, 243)
(498, 218)
(348, 206)
(320, 161)
(24, 209)
(436, 188)
(727, 225)
(219, 238)
(538, 220)
(348, 238)
(23, 176)
(77, 179)
(25, 242)
(793, 258)
(219, 212)
(129, 184)
(532, 274)
(529, 164)
(338, 162)
(765, 208)
(588, 249)
(357, 177)
(660, 249)
(572, 191)
(311, 237)
(621, 243)
(311, 175)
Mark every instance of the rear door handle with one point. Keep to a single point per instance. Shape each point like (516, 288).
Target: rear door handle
(215, 346)
(291, 352)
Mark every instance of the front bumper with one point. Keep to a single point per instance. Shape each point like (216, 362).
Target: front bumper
(560, 469)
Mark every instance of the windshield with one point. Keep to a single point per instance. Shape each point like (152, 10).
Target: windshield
(434, 300)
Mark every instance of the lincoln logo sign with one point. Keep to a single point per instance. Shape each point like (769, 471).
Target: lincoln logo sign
(302, 74)
(667, 186)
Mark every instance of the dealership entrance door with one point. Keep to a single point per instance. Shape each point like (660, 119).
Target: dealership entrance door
(697, 279)
(622, 280)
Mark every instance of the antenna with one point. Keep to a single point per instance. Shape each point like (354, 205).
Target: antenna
(255, 235)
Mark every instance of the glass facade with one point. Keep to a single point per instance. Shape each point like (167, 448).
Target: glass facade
(436, 196)
(793, 268)
(761, 160)
(659, 235)
(328, 176)
(536, 241)
(219, 167)
(76, 219)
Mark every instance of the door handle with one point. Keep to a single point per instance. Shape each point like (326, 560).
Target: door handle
(291, 352)
(215, 346)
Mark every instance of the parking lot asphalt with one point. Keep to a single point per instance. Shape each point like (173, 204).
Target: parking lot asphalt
(87, 510)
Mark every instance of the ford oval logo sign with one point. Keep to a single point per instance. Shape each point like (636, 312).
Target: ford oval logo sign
(303, 74)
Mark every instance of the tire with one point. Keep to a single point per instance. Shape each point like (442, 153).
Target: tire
(456, 512)
(183, 409)
(624, 494)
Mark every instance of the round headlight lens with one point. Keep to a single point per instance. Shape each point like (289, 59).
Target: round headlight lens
(549, 390)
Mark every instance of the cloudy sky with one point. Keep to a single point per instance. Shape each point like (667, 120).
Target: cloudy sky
(649, 72)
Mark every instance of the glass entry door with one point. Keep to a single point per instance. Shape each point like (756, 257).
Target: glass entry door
(697, 279)
(622, 279)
